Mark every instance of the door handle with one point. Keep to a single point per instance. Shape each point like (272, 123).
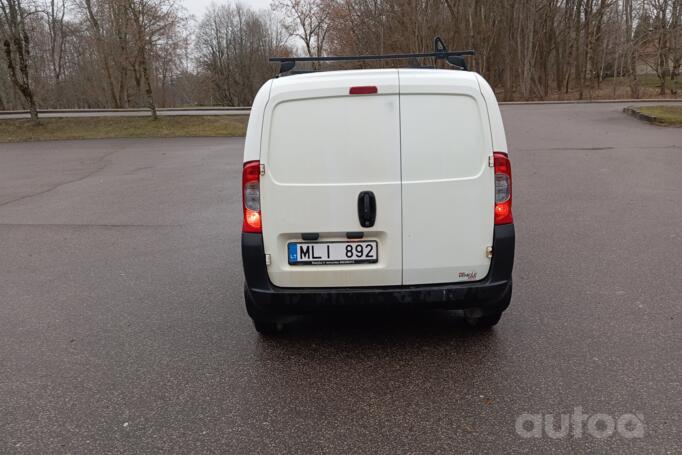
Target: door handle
(367, 209)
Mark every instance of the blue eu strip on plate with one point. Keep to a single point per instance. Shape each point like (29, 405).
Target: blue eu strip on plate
(293, 252)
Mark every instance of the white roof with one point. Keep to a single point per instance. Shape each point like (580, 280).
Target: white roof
(325, 77)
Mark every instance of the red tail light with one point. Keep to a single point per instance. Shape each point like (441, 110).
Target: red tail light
(251, 197)
(503, 189)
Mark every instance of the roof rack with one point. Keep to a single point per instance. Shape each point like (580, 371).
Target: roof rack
(454, 58)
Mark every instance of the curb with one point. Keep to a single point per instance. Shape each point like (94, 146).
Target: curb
(628, 100)
(636, 113)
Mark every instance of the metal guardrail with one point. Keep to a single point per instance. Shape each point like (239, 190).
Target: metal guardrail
(128, 110)
(246, 109)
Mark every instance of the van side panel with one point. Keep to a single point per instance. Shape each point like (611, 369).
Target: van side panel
(321, 148)
(255, 126)
(448, 185)
(494, 115)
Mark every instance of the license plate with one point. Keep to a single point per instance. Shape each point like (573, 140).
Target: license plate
(333, 253)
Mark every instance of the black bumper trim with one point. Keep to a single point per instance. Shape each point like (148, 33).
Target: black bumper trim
(488, 295)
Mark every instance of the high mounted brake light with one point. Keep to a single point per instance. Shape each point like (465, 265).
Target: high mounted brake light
(251, 197)
(365, 90)
(503, 189)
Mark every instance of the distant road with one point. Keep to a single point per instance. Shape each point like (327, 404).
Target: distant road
(245, 110)
(60, 113)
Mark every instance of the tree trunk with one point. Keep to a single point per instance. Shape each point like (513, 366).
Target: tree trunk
(101, 49)
(148, 85)
(675, 43)
(17, 47)
(507, 49)
(632, 47)
(579, 68)
(663, 54)
(33, 109)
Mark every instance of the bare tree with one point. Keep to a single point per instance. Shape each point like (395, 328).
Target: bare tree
(17, 49)
(233, 46)
(151, 21)
(55, 11)
(675, 44)
(139, 10)
(307, 20)
(102, 50)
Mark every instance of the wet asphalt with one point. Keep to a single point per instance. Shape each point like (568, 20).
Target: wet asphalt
(122, 326)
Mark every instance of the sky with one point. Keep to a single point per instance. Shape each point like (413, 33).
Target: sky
(198, 7)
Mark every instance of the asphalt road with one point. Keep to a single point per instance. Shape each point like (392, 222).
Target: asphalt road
(122, 328)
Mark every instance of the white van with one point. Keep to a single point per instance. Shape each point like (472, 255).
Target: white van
(368, 188)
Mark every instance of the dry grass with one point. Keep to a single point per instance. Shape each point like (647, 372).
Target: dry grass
(667, 115)
(122, 127)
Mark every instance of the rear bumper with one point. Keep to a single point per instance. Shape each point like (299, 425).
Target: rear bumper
(491, 295)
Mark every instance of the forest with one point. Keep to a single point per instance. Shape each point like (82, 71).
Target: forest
(152, 53)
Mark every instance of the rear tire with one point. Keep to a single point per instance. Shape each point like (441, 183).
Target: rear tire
(484, 322)
(490, 320)
(263, 325)
(268, 328)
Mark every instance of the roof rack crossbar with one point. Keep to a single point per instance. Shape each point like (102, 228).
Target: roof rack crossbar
(454, 58)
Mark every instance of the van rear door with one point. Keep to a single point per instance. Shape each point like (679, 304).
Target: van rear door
(323, 146)
(448, 186)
